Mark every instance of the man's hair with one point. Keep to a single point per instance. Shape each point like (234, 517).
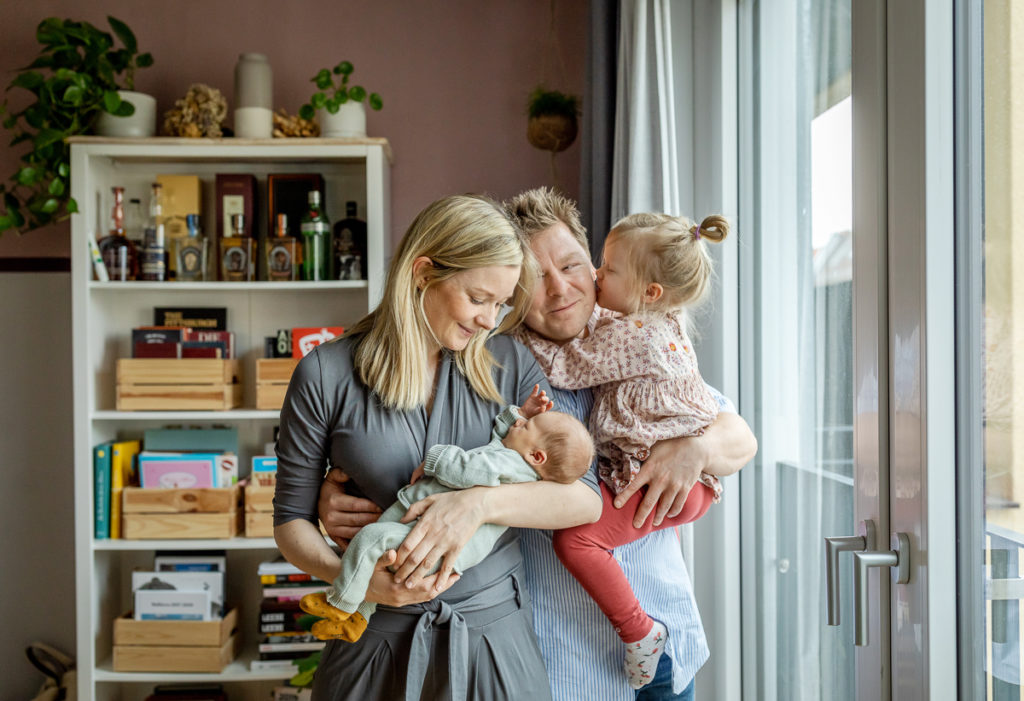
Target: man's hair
(570, 449)
(535, 210)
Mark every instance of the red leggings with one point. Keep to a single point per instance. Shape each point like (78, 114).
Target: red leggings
(586, 552)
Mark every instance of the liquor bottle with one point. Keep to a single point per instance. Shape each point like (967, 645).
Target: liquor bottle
(236, 253)
(135, 223)
(190, 252)
(282, 261)
(316, 231)
(119, 254)
(349, 246)
(154, 248)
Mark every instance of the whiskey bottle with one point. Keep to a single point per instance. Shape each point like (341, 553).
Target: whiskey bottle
(190, 252)
(316, 231)
(154, 251)
(236, 253)
(282, 261)
(349, 246)
(119, 254)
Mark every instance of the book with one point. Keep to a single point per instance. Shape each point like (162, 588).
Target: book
(146, 349)
(278, 566)
(101, 490)
(203, 349)
(193, 318)
(187, 470)
(282, 578)
(186, 440)
(273, 665)
(190, 561)
(159, 334)
(225, 337)
(123, 473)
(285, 593)
(173, 582)
(305, 340)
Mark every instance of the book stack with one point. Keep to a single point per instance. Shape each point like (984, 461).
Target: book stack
(185, 333)
(283, 626)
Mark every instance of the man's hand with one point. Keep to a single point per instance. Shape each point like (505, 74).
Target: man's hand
(446, 523)
(669, 473)
(341, 514)
(383, 589)
(536, 403)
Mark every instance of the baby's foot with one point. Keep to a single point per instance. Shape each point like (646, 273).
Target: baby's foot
(337, 624)
(643, 655)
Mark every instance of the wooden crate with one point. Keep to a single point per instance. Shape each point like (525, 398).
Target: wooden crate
(272, 377)
(175, 646)
(259, 511)
(178, 384)
(181, 513)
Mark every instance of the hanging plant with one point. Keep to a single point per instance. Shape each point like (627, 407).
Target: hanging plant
(553, 121)
(73, 80)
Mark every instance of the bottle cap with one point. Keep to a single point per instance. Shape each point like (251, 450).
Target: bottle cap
(192, 222)
(314, 197)
(238, 222)
(282, 224)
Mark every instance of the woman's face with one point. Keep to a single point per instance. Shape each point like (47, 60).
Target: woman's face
(468, 302)
(614, 287)
(564, 297)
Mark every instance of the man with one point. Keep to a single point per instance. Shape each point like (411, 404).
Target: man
(582, 653)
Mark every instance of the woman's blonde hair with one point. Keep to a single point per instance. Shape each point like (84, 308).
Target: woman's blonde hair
(456, 233)
(670, 251)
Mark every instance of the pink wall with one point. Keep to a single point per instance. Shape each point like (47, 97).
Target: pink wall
(454, 77)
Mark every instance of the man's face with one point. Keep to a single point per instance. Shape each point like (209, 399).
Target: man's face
(565, 295)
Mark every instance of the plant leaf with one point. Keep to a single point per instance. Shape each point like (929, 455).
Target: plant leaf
(318, 100)
(30, 80)
(57, 187)
(344, 68)
(111, 101)
(73, 95)
(334, 104)
(63, 170)
(71, 206)
(125, 109)
(357, 93)
(144, 60)
(50, 31)
(47, 136)
(376, 103)
(323, 79)
(123, 33)
(50, 206)
(307, 111)
(26, 176)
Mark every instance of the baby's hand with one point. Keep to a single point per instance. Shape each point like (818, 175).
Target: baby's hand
(417, 473)
(536, 403)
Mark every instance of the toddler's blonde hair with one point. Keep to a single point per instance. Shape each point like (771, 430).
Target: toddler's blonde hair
(670, 251)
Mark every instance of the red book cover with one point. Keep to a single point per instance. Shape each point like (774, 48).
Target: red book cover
(156, 350)
(306, 339)
(225, 337)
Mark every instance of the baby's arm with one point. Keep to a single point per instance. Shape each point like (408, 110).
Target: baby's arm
(459, 469)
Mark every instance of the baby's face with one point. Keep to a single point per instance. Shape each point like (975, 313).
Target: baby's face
(528, 435)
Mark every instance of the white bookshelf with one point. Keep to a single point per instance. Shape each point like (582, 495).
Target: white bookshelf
(103, 314)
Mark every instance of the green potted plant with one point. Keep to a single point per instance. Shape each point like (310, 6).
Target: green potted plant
(339, 108)
(74, 80)
(553, 123)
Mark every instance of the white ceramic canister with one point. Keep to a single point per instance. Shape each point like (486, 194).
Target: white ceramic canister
(141, 124)
(254, 84)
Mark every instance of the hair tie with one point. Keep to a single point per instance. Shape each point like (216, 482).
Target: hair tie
(696, 234)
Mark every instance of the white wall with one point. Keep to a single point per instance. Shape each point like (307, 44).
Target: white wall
(37, 586)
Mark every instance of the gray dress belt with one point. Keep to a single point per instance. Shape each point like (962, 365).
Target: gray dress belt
(483, 607)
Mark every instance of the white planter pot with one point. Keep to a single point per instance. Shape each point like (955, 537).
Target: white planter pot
(348, 122)
(141, 124)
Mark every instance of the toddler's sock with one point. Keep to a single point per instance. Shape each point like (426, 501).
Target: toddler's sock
(643, 655)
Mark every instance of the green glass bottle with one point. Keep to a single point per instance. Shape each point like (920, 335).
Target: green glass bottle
(316, 235)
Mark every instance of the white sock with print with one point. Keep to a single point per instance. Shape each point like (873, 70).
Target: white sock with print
(642, 656)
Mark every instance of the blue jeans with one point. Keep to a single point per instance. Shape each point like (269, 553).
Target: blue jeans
(660, 689)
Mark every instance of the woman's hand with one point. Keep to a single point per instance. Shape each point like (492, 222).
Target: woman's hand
(418, 473)
(536, 403)
(384, 590)
(446, 523)
(341, 514)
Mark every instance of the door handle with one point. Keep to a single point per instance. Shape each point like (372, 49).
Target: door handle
(834, 546)
(898, 559)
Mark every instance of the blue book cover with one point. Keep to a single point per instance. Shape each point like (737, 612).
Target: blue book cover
(101, 489)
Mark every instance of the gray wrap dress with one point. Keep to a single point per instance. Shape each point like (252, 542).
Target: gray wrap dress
(475, 641)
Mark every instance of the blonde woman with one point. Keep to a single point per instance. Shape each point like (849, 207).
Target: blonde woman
(427, 367)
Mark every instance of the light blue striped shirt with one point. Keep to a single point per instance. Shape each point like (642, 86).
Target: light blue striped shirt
(582, 653)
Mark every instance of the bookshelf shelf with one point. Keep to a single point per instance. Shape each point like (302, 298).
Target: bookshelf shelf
(178, 287)
(237, 671)
(103, 315)
(205, 416)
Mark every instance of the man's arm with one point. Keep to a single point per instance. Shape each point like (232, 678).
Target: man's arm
(341, 514)
(675, 464)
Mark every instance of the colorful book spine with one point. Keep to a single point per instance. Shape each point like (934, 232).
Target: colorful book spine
(122, 474)
(101, 490)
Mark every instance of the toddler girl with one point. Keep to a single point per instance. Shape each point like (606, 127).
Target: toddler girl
(641, 364)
